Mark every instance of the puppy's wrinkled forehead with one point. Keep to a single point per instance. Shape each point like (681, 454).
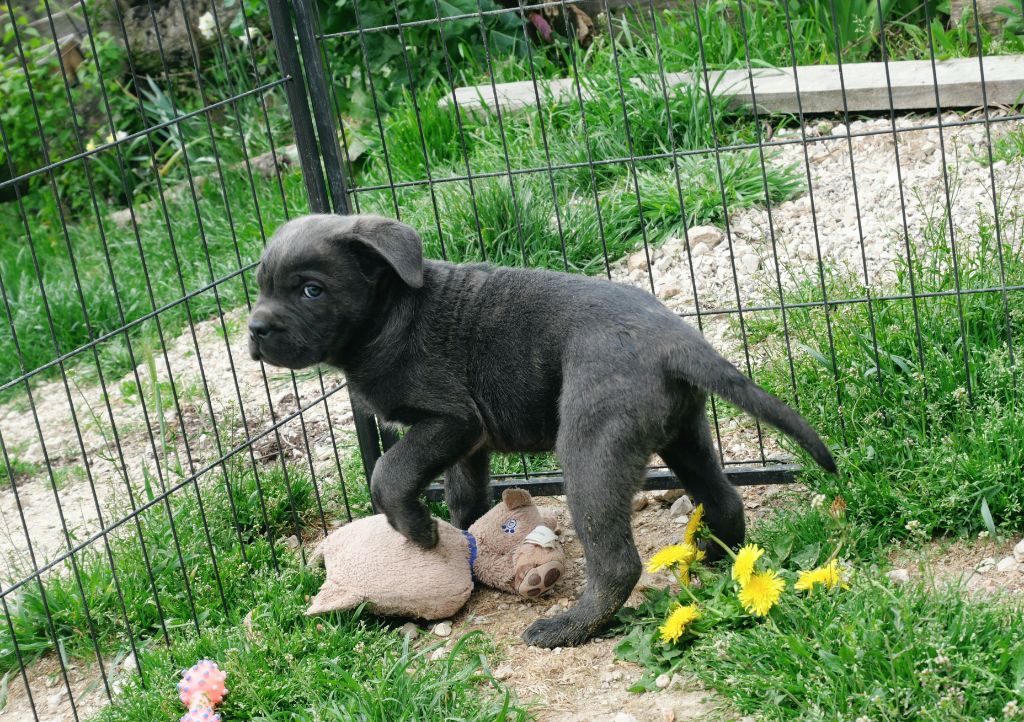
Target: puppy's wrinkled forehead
(302, 243)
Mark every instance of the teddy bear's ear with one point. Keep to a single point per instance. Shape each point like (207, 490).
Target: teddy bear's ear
(516, 498)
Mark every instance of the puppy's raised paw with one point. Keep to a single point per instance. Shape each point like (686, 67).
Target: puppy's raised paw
(423, 535)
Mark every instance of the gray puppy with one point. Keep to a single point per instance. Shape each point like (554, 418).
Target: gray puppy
(476, 358)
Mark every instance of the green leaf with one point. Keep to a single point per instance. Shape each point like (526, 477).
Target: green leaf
(986, 517)
(807, 557)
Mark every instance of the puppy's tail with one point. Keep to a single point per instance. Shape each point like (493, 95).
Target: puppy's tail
(706, 369)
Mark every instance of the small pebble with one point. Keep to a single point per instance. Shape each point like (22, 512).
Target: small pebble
(1018, 551)
(668, 495)
(1006, 564)
(637, 262)
(640, 501)
(682, 505)
(669, 290)
(625, 717)
(986, 565)
(442, 629)
(439, 653)
(898, 576)
(613, 676)
(662, 681)
(704, 234)
(681, 520)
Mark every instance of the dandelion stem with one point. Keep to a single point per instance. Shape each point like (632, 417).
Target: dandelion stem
(722, 544)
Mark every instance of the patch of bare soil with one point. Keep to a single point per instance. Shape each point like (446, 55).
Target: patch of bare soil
(102, 447)
(982, 567)
(49, 690)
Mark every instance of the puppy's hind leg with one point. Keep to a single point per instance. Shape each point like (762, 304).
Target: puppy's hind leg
(692, 458)
(467, 489)
(601, 476)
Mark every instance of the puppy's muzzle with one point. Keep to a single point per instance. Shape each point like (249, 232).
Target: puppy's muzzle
(260, 328)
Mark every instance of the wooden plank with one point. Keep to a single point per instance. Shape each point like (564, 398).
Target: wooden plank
(866, 86)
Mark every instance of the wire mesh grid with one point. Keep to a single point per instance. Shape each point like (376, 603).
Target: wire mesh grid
(155, 471)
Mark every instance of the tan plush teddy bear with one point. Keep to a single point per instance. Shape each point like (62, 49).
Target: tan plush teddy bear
(512, 547)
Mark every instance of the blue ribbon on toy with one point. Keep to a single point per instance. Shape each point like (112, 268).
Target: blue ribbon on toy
(472, 552)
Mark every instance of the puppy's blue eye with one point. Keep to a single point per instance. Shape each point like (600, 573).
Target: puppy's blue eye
(311, 290)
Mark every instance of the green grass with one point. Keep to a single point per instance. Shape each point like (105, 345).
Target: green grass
(242, 526)
(18, 469)
(337, 667)
(876, 651)
(915, 448)
(286, 665)
(550, 219)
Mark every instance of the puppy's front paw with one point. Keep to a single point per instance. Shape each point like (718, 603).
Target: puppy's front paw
(423, 534)
(560, 631)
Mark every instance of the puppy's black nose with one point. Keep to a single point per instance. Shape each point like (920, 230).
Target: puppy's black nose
(259, 327)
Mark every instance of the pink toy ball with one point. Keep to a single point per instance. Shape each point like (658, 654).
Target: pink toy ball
(201, 714)
(201, 689)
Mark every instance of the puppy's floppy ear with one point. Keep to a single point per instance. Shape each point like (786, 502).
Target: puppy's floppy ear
(395, 243)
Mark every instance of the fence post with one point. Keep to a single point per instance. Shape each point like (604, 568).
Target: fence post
(317, 157)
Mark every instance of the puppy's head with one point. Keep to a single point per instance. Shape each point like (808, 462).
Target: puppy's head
(318, 280)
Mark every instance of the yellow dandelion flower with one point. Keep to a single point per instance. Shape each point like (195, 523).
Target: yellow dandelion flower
(743, 567)
(830, 576)
(677, 622)
(674, 555)
(761, 592)
(694, 526)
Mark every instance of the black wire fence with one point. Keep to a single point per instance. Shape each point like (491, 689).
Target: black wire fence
(153, 470)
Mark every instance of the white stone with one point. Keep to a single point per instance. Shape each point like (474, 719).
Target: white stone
(121, 218)
(1007, 564)
(839, 129)
(681, 520)
(625, 717)
(898, 576)
(439, 653)
(662, 681)
(698, 250)
(703, 234)
(986, 565)
(637, 261)
(682, 505)
(750, 263)
(1018, 551)
(640, 501)
(442, 629)
(669, 290)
